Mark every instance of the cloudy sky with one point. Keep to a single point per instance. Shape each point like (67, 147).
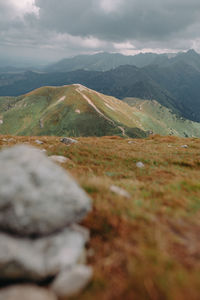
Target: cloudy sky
(47, 30)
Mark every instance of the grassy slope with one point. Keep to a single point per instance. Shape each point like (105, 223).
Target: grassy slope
(161, 120)
(56, 109)
(145, 247)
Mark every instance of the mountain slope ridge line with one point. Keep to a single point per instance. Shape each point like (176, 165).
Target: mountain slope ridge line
(80, 90)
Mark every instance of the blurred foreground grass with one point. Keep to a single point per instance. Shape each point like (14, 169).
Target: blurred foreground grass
(146, 246)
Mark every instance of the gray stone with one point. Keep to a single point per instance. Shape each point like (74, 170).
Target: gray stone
(68, 141)
(119, 191)
(39, 142)
(72, 281)
(35, 260)
(59, 159)
(37, 197)
(140, 165)
(184, 146)
(26, 292)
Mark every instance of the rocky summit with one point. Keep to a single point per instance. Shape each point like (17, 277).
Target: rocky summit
(39, 206)
(37, 196)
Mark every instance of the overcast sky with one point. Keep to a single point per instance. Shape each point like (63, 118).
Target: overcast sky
(47, 30)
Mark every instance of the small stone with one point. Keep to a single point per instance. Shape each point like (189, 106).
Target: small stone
(140, 165)
(184, 146)
(72, 281)
(68, 141)
(1, 122)
(38, 197)
(26, 292)
(131, 142)
(119, 191)
(59, 159)
(39, 142)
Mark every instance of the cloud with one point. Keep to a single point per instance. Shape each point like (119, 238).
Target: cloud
(120, 20)
(66, 27)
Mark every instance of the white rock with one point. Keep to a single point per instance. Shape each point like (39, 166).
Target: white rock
(119, 191)
(39, 142)
(59, 159)
(140, 165)
(26, 292)
(72, 281)
(37, 196)
(35, 260)
(1, 122)
(184, 146)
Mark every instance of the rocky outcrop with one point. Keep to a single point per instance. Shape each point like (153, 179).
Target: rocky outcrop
(39, 206)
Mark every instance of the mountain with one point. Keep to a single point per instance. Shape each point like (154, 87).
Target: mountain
(173, 83)
(78, 111)
(181, 80)
(68, 110)
(108, 61)
(104, 62)
(191, 57)
(124, 81)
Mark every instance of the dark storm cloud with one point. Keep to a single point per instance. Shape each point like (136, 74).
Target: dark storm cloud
(130, 19)
(52, 29)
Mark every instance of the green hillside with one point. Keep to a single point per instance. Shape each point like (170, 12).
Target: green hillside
(75, 110)
(161, 120)
(69, 110)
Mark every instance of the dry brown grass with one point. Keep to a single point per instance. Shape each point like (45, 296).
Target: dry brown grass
(148, 246)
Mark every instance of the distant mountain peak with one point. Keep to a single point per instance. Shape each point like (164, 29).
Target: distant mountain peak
(192, 52)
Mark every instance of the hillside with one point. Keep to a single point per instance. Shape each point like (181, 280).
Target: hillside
(78, 111)
(68, 110)
(145, 246)
(160, 119)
